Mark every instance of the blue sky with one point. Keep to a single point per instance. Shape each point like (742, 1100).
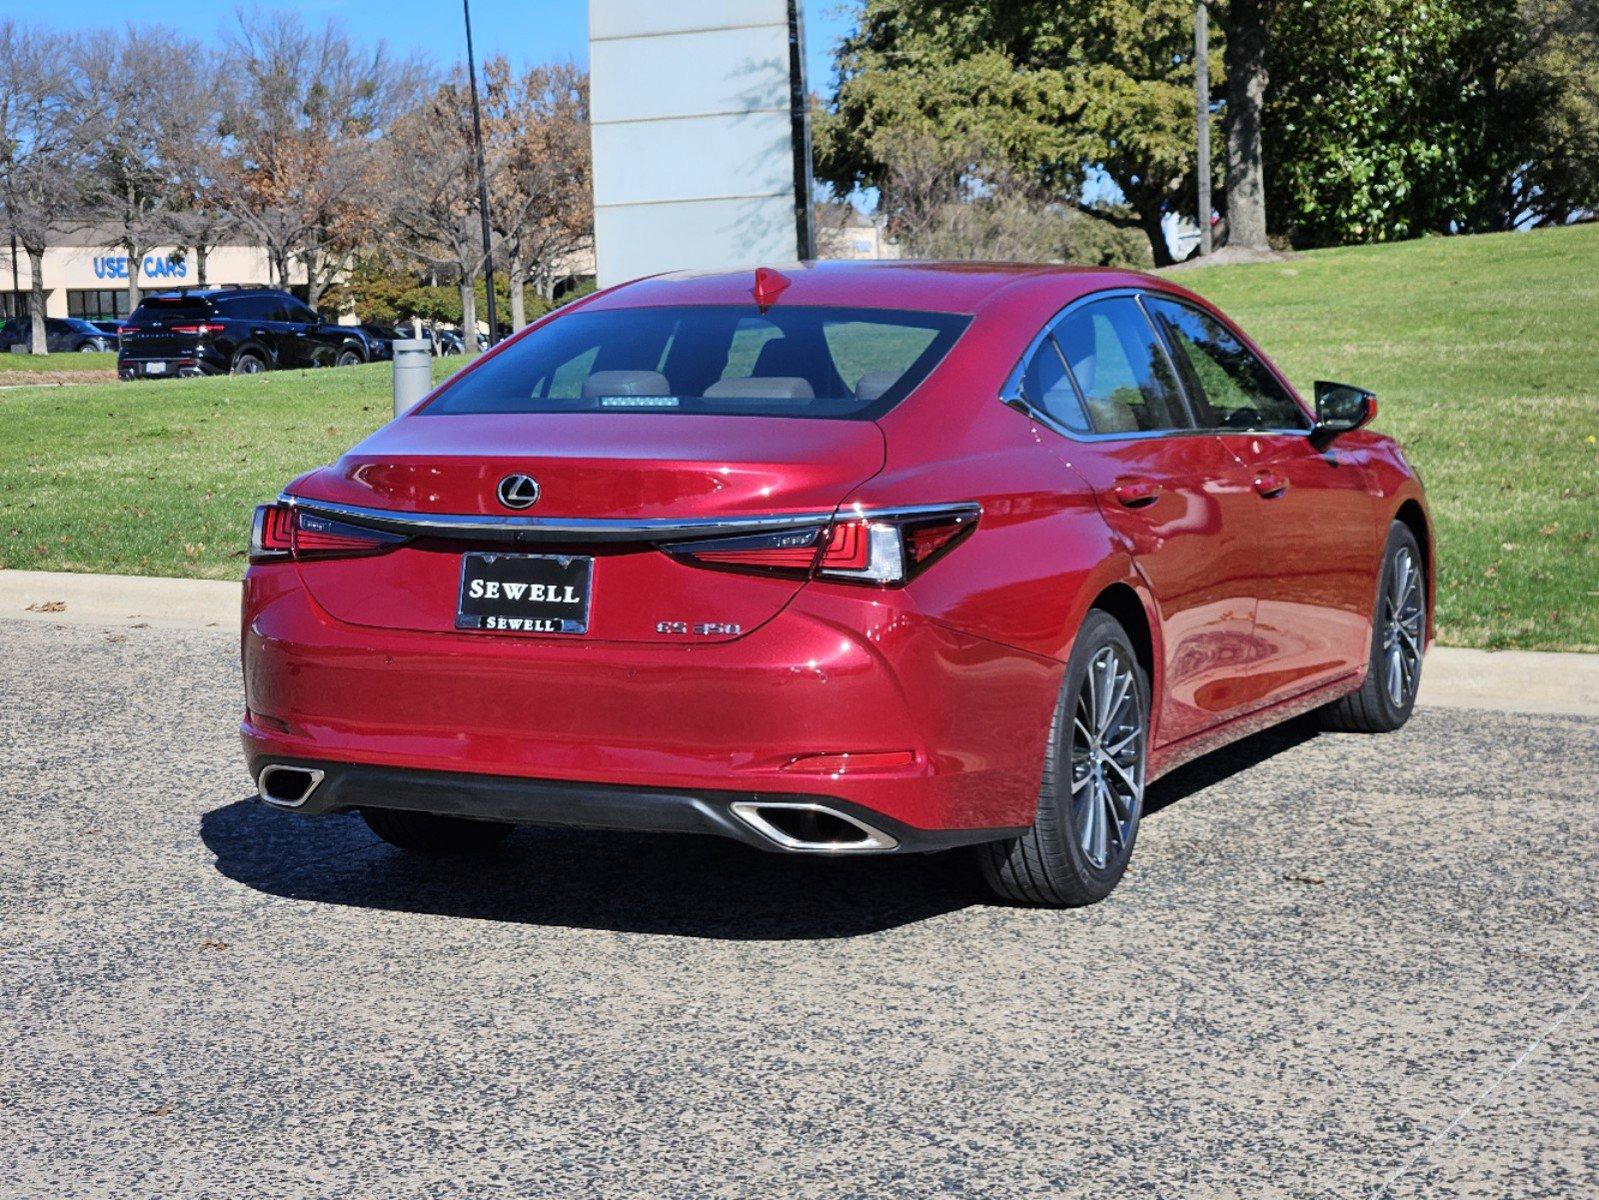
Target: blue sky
(525, 30)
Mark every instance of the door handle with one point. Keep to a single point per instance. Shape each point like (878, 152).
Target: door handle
(1270, 485)
(1136, 492)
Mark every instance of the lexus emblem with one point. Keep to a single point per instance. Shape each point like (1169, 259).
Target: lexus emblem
(519, 491)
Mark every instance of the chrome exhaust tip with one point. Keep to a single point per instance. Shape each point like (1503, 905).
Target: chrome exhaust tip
(286, 786)
(805, 827)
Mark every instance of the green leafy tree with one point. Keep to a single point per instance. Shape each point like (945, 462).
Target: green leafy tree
(1059, 91)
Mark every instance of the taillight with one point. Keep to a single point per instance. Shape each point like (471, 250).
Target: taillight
(202, 329)
(281, 532)
(887, 547)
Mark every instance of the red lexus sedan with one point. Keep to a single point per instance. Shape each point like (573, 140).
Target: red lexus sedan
(843, 559)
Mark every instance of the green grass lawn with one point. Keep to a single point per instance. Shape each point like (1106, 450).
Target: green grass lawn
(1483, 350)
(1484, 353)
(90, 361)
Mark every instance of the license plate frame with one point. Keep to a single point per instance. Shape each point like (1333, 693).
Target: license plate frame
(566, 581)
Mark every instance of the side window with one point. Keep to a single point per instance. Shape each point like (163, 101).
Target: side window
(300, 312)
(1049, 389)
(1121, 370)
(1240, 391)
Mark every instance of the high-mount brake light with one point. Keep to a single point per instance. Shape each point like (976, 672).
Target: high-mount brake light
(281, 532)
(887, 548)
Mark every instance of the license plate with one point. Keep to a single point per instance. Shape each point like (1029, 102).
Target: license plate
(525, 593)
(155, 368)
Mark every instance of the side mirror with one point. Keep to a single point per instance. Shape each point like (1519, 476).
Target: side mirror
(1340, 407)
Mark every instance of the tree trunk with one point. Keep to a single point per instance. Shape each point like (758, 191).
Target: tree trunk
(36, 335)
(1149, 222)
(313, 271)
(1245, 58)
(515, 281)
(200, 256)
(468, 317)
(135, 261)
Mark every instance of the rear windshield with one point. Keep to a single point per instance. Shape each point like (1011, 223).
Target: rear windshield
(785, 362)
(161, 307)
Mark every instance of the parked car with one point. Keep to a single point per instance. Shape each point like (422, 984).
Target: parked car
(109, 328)
(865, 558)
(63, 335)
(239, 330)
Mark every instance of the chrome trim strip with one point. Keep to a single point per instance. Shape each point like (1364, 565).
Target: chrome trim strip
(875, 841)
(508, 528)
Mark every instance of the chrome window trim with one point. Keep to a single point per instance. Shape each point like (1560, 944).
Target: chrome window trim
(492, 527)
(1012, 396)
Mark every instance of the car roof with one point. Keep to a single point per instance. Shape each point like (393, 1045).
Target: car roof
(954, 287)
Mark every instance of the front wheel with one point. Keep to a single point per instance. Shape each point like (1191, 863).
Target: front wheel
(1398, 637)
(1093, 791)
(432, 833)
(348, 358)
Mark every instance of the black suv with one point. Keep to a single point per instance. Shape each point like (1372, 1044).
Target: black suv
(216, 331)
(62, 335)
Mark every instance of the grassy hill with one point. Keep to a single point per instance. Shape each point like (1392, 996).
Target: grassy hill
(1484, 351)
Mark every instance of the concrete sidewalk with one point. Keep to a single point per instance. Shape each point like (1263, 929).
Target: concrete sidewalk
(1494, 680)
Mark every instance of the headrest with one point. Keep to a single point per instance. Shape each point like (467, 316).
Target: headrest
(873, 384)
(771, 387)
(625, 383)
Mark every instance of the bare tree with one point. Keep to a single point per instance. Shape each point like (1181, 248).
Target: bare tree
(40, 151)
(196, 165)
(137, 125)
(304, 131)
(542, 204)
(432, 190)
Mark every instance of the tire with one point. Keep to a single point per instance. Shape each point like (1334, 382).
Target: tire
(348, 357)
(88, 348)
(1054, 862)
(249, 363)
(430, 833)
(1398, 637)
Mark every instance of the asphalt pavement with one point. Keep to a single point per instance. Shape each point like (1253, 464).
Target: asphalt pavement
(1341, 966)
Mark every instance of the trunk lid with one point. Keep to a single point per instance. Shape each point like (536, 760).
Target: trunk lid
(589, 467)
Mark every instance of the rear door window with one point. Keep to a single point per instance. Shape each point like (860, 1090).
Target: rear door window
(798, 361)
(1238, 389)
(1121, 369)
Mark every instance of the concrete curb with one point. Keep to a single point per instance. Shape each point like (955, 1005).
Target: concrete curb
(1495, 680)
(75, 599)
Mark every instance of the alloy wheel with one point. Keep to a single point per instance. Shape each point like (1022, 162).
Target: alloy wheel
(1107, 756)
(1403, 616)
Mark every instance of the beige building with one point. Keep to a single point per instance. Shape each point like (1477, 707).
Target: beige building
(85, 277)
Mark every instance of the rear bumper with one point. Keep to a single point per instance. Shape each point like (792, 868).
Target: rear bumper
(182, 366)
(342, 787)
(497, 726)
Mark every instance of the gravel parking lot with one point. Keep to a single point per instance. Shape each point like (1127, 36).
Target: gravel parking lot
(1341, 966)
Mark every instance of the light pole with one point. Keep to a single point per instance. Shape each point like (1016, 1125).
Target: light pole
(482, 184)
(1202, 113)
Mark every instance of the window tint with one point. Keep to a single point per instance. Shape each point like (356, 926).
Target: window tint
(1237, 387)
(164, 308)
(300, 311)
(1049, 389)
(796, 361)
(1121, 371)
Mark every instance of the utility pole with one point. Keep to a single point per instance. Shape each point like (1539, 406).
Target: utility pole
(1202, 113)
(482, 188)
(799, 106)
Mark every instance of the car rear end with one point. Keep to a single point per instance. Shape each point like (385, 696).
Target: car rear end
(619, 577)
(177, 335)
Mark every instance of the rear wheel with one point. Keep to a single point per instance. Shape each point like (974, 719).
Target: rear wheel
(348, 358)
(1398, 635)
(431, 833)
(249, 363)
(1093, 791)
